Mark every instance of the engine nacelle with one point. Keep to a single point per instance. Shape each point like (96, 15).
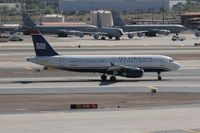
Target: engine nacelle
(62, 34)
(164, 32)
(197, 33)
(96, 36)
(139, 34)
(81, 35)
(133, 73)
(130, 35)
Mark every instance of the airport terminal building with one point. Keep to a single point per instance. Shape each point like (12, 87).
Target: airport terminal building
(120, 5)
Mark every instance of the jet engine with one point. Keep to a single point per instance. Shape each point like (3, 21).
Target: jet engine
(139, 34)
(133, 73)
(96, 36)
(81, 35)
(62, 34)
(164, 32)
(130, 35)
(197, 33)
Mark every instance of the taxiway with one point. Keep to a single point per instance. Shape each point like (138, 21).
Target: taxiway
(25, 91)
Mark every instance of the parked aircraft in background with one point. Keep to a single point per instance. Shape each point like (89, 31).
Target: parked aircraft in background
(112, 31)
(147, 29)
(130, 66)
(107, 31)
(77, 30)
(60, 30)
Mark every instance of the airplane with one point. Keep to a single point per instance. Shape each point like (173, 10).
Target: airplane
(110, 32)
(107, 31)
(61, 31)
(149, 29)
(130, 66)
(77, 30)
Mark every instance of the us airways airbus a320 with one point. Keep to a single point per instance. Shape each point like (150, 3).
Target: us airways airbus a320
(130, 66)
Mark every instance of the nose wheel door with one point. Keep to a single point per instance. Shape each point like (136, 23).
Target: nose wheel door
(162, 63)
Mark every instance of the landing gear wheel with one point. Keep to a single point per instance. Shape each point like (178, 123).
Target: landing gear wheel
(110, 37)
(113, 78)
(159, 77)
(103, 38)
(103, 77)
(117, 38)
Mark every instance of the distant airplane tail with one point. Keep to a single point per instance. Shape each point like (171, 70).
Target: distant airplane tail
(117, 21)
(99, 24)
(27, 21)
(41, 45)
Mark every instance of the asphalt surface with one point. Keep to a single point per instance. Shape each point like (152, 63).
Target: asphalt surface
(181, 119)
(19, 78)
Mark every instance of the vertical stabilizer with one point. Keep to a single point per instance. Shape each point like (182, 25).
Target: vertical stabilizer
(99, 24)
(41, 45)
(27, 21)
(117, 21)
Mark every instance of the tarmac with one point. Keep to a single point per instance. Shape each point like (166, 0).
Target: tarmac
(39, 102)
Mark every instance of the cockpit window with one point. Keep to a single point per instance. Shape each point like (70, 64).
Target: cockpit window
(171, 61)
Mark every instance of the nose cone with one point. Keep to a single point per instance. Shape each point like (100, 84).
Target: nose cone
(176, 66)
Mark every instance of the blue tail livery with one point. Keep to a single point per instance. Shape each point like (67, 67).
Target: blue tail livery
(41, 45)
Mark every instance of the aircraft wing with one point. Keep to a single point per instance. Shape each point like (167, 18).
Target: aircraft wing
(161, 31)
(99, 33)
(119, 68)
(126, 71)
(135, 32)
(69, 32)
(81, 33)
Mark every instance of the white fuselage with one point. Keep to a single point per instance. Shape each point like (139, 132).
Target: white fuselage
(101, 63)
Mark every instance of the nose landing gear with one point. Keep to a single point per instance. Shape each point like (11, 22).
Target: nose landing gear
(113, 78)
(159, 76)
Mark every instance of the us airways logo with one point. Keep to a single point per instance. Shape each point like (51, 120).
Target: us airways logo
(40, 45)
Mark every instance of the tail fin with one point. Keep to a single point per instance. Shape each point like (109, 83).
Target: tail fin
(99, 24)
(41, 45)
(27, 21)
(117, 19)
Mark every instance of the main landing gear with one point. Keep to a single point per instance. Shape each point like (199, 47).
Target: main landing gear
(159, 76)
(104, 78)
(113, 78)
(103, 38)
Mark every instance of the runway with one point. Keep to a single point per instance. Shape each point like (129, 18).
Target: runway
(36, 96)
(182, 119)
